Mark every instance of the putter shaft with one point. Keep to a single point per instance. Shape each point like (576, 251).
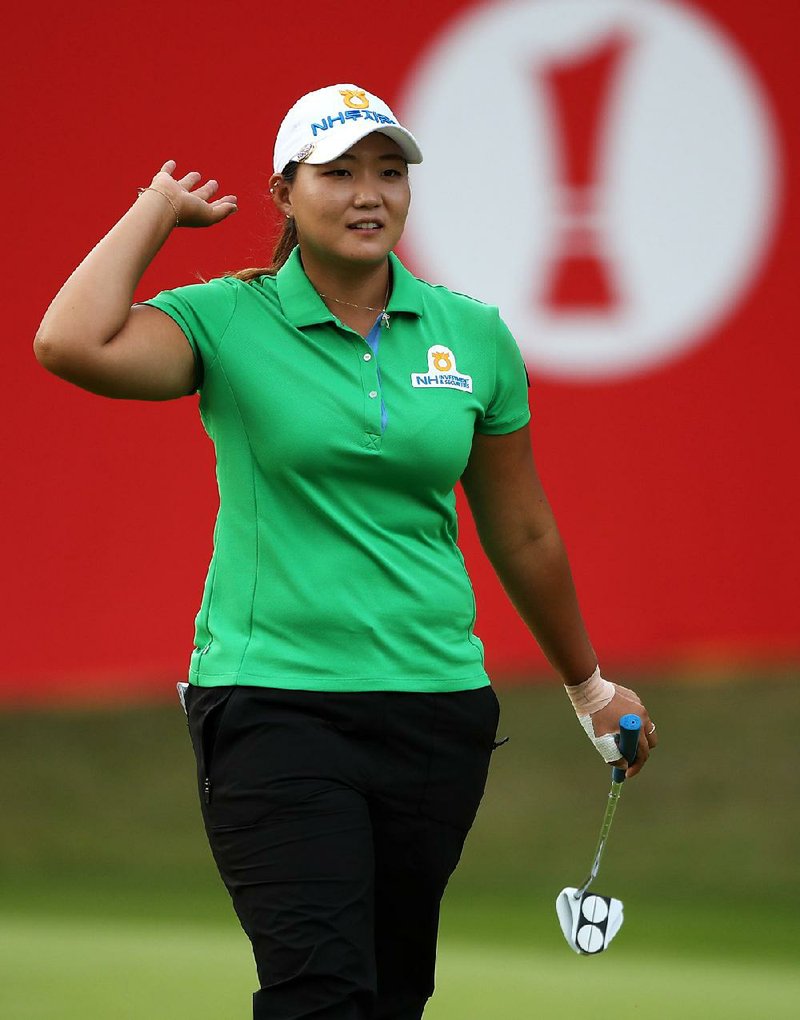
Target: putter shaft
(611, 807)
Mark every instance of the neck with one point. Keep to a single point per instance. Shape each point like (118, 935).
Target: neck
(358, 284)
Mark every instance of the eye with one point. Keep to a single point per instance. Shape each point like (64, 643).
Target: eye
(338, 172)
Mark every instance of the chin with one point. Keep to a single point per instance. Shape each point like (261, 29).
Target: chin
(366, 254)
(352, 251)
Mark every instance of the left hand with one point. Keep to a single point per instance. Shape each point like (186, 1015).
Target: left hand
(606, 720)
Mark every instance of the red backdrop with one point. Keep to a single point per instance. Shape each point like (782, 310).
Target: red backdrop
(674, 488)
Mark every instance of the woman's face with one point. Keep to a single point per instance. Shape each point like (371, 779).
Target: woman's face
(353, 209)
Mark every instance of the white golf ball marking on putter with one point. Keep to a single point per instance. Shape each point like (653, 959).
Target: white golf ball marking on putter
(590, 938)
(594, 909)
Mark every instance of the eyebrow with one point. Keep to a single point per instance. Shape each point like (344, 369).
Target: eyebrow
(388, 156)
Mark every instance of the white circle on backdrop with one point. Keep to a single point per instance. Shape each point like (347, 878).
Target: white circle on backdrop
(686, 189)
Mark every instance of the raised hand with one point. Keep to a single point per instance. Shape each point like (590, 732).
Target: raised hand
(194, 207)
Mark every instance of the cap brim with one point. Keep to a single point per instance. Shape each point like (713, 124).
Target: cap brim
(331, 147)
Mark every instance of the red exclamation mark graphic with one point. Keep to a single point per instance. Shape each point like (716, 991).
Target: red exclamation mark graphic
(581, 277)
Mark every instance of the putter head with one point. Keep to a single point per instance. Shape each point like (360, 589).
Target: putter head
(589, 923)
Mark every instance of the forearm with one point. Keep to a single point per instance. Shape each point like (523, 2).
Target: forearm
(537, 577)
(94, 303)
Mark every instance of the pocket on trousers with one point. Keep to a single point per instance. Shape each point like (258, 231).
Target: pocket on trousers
(206, 710)
(497, 741)
(462, 742)
(486, 714)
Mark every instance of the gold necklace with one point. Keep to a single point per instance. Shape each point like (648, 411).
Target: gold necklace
(368, 308)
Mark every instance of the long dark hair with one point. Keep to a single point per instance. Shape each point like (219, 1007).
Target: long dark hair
(286, 241)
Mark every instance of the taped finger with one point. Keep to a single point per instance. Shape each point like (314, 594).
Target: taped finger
(605, 744)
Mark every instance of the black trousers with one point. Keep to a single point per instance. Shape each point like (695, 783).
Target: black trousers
(336, 820)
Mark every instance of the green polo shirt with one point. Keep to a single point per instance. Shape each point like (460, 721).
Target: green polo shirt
(335, 563)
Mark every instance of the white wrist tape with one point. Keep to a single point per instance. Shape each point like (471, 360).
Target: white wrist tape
(587, 698)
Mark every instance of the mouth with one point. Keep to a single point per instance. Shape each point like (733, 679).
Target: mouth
(366, 226)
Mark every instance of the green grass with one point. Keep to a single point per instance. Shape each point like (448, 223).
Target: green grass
(110, 905)
(74, 970)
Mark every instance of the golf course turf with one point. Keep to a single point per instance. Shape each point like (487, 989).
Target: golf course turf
(110, 906)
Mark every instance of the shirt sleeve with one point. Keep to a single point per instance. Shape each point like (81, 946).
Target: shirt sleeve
(508, 408)
(203, 311)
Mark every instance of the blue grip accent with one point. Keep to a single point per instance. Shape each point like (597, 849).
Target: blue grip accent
(629, 727)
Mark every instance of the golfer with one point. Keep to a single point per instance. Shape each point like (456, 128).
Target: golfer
(340, 713)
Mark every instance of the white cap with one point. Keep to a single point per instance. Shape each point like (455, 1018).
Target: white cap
(323, 124)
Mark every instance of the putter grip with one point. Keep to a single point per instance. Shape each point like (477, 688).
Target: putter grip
(629, 727)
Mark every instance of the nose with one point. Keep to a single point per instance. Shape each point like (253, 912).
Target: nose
(367, 196)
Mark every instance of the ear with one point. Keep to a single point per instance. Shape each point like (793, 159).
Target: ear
(281, 191)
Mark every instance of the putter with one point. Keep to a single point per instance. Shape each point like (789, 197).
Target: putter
(590, 921)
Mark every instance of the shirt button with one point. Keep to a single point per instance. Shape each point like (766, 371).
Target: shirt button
(367, 357)
(373, 393)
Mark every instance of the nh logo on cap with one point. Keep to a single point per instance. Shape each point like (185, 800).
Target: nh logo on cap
(441, 372)
(354, 99)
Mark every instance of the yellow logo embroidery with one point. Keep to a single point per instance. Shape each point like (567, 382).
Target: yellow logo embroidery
(442, 361)
(354, 99)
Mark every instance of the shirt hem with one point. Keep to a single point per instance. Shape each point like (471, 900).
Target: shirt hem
(356, 684)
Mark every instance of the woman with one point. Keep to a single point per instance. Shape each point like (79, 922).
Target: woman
(340, 714)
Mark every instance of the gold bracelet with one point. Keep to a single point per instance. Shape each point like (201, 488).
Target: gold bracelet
(141, 191)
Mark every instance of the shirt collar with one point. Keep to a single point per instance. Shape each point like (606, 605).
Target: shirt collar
(303, 306)
(406, 293)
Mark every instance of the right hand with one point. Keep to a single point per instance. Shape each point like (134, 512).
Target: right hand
(194, 207)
